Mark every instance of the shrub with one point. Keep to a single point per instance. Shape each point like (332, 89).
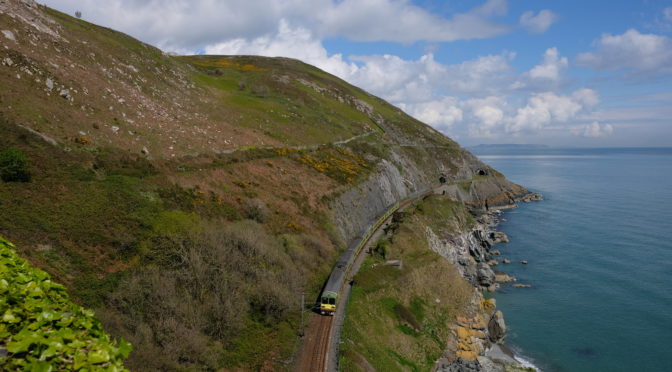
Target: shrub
(212, 282)
(13, 166)
(256, 209)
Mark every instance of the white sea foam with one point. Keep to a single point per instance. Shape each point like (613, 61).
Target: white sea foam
(537, 156)
(526, 363)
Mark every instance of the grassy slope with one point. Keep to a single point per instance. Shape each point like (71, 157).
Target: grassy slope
(398, 320)
(119, 227)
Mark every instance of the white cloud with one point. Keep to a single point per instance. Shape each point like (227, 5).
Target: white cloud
(538, 23)
(551, 67)
(484, 75)
(375, 20)
(397, 79)
(587, 98)
(297, 43)
(192, 24)
(594, 130)
(544, 108)
(487, 115)
(631, 50)
(441, 114)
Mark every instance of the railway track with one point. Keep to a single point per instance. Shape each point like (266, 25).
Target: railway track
(318, 345)
(319, 355)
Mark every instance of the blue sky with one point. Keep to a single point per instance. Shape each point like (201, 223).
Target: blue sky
(565, 73)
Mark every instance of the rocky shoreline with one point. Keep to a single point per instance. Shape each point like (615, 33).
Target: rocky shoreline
(478, 344)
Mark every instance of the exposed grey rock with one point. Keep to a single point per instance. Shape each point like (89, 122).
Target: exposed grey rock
(41, 135)
(459, 365)
(535, 196)
(499, 237)
(357, 207)
(488, 365)
(504, 278)
(497, 327)
(506, 261)
(7, 62)
(521, 285)
(395, 263)
(144, 151)
(65, 94)
(50, 84)
(486, 277)
(9, 35)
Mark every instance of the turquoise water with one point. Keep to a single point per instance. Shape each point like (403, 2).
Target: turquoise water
(600, 258)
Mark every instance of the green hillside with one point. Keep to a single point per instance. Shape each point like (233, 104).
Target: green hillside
(189, 200)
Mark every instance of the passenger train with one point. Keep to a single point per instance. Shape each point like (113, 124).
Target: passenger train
(331, 291)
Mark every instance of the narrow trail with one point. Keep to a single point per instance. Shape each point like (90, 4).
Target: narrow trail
(304, 147)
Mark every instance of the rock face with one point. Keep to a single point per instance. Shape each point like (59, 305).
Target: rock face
(357, 207)
(460, 365)
(400, 176)
(504, 278)
(486, 277)
(499, 237)
(497, 327)
(471, 252)
(532, 197)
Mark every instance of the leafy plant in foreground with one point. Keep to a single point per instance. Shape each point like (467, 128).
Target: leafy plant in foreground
(42, 330)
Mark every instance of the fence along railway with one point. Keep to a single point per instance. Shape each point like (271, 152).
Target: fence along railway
(320, 353)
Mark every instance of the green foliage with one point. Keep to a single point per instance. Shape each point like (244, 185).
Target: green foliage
(13, 166)
(381, 248)
(40, 328)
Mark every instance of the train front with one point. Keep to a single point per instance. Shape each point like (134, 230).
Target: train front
(328, 303)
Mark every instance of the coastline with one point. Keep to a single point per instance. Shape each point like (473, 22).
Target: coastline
(503, 354)
(480, 341)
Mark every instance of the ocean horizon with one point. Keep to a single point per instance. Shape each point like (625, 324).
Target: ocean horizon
(600, 260)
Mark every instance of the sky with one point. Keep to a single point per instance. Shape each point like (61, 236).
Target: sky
(560, 73)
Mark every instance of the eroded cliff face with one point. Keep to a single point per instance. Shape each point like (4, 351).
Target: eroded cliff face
(465, 179)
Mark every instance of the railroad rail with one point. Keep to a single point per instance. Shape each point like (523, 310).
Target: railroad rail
(320, 350)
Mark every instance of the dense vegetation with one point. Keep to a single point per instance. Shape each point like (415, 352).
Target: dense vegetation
(42, 330)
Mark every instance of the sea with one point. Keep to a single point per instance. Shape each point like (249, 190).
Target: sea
(599, 252)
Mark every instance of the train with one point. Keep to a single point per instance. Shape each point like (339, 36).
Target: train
(329, 297)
